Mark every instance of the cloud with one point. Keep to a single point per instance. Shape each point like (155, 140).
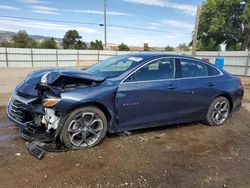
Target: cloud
(178, 24)
(153, 40)
(55, 11)
(101, 12)
(185, 8)
(154, 24)
(85, 30)
(33, 1)
(152, 27)
(172, 24)
(4, 7)
(45, 10)
(23, 23)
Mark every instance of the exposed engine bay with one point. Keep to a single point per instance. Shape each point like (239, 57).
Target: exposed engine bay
(32, 108)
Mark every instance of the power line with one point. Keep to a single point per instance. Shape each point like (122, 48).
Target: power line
(94, 24)
(145, 29)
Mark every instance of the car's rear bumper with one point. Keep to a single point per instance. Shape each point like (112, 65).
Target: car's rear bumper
(237, 107)
(237, 100)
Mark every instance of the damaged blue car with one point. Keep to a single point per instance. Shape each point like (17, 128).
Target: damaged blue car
(76, 108)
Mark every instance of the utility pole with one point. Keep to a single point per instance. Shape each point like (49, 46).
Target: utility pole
(105, 25)
(198, 12)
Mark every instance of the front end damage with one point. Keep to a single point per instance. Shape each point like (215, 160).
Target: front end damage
(32, 108)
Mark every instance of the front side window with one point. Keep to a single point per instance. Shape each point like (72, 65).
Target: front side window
(157, 70)
(192, 69)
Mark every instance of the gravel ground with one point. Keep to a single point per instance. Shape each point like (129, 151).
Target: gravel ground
(186, 155)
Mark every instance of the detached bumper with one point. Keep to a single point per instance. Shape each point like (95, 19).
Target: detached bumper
(17, 110)
(39, 140)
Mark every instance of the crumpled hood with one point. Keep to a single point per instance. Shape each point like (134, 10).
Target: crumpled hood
(54, 74)
(33, 79)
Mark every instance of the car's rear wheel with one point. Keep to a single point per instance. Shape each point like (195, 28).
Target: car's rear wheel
(85, 127)
(218, 111)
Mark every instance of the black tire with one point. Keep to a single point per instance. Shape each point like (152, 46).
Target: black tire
(72, 126)
(213, 117)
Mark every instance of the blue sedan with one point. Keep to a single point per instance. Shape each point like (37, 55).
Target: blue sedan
(76, 108)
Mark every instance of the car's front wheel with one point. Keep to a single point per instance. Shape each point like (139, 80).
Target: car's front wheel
(85, 127)
(218, 111)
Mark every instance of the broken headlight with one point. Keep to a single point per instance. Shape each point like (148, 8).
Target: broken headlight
(44, 79)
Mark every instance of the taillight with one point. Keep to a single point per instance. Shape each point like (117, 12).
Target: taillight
(241, 83)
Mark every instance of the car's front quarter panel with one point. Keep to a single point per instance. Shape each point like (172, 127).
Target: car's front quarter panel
(103, 94)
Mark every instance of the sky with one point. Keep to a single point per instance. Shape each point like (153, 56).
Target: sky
(160, 22)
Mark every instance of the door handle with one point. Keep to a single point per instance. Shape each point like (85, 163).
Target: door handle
(210, 84)
(172, 87)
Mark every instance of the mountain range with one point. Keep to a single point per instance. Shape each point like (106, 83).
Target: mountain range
(7, 36)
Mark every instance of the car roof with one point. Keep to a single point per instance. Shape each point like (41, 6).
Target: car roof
(149, 55)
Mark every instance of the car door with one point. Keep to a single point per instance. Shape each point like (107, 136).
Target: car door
(195, 88)
(148, 95)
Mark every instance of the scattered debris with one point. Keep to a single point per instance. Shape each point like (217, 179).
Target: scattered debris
(125, 133)
(35, 150)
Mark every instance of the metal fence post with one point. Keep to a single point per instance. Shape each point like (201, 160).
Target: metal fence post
(57, 57)
(32, 60)
(247, 64)
(77, 55)
(6, 56)
(98, 56)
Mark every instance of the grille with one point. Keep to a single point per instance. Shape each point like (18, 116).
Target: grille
(20, 111)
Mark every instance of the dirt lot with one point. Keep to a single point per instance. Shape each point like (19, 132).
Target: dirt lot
(188, 155)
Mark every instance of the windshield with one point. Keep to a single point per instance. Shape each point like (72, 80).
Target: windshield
(114, 66)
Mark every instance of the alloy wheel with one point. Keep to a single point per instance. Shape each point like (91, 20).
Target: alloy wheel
(85, 129)
(220, 112)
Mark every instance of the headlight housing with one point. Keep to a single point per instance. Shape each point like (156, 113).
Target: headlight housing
(44, 79)
(51, 101)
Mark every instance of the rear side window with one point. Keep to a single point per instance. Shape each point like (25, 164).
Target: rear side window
(212, 71)
(192, 69)
(157, 70)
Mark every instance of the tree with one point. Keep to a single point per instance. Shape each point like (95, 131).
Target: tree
(49, 43)
(96, 45)
(245, 37)
(208, 46)
(184, 47)
(7, 44)
(146, 47)
(22, 40)
(33, 44)
(224, 22)
(81, 45)
(169, 48)
(71, 39)
(123, 47)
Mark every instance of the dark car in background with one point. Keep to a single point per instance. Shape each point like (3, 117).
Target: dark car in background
(140, 90)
